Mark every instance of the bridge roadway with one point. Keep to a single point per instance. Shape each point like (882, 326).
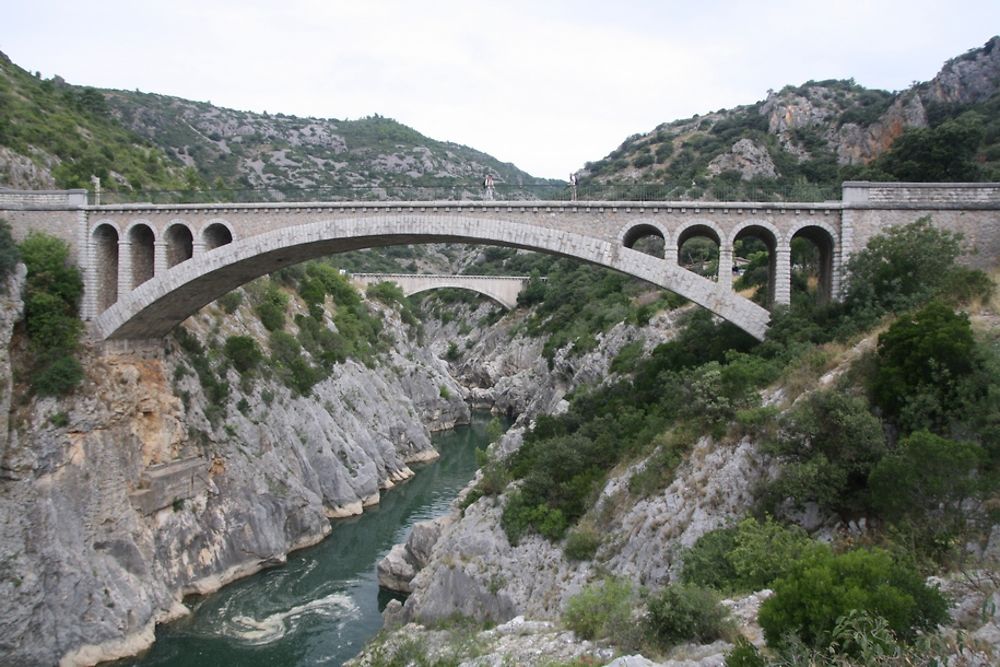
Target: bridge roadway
(148, 267)
(502, 289)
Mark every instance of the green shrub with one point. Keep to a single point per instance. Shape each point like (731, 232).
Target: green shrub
(926, 473)
(744, 654)
(293, 369)
(828, 446)
(272, 307)
(684, 612)
(900, 269)
(922, 360)
(627, 357)
(51, 302)
(9, 255)
(56, 374)
(231, 301)
(746, 557)
(520, 517)
(822, 587)
(243, 352)
(582, 543)
(604, 610)
(387, 292)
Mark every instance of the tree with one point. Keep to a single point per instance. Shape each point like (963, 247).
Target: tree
(945, 153)
(901, 268)
(925, 473)
(830, 443)
(51, 300)
(922, 360)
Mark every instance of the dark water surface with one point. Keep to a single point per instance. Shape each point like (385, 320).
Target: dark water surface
(322, 606)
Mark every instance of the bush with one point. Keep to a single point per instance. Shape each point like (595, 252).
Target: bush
(926, 473)
(51, 302)
(922, 360)
(231, 301)
(829, 444)
(272, 307)
(746, 557)
(520, 517)
(603, 610)
(822, 587)
(744, 654)
(9, 255)
(243, 352)
(582, 543)
(387, 292)
(293, 369)
(680, 613)
(56, 374)
(900, 269)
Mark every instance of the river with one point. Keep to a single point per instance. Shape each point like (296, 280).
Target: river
(324, 604)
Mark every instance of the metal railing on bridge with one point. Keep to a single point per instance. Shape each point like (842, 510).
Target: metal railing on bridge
(470, 191)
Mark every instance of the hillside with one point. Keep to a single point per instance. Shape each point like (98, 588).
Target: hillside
(278, 156)
(802, 141)
(54, 135)
(148, 146)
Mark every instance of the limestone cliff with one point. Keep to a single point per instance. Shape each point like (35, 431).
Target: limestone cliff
(139, 489)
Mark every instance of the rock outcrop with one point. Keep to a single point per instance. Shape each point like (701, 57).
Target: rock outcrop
(139, 488)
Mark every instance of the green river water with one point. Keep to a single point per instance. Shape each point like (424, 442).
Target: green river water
(324, 604)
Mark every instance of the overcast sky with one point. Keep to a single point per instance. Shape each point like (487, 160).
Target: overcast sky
(545, 85)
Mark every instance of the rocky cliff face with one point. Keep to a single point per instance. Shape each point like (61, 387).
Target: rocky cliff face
(136, 490)
(472, 569)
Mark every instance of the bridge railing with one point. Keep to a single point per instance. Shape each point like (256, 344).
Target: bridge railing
(469, 191)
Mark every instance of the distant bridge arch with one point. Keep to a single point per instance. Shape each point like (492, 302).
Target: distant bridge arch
(502, 289)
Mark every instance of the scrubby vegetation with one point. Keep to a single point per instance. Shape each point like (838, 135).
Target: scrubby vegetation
(75, 125)
(906, 438)
(51, 303)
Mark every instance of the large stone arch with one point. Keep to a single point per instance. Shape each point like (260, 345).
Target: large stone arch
(771, 236)
(153, 309)
(635, 230)
(105, 238)
(180, 242)
(824, 237)
(706, 229)
(502, 299)
(141, 237)
(216, 234)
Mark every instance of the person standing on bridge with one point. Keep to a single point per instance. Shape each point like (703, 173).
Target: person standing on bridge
(488, 187)
(572, 186)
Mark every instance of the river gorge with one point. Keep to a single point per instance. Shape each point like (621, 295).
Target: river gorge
(324, 603)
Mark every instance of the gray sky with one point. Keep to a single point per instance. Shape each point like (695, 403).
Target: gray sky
(545, 85)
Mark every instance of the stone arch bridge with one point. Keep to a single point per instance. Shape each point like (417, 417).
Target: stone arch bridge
(502, 289)
(148, 267)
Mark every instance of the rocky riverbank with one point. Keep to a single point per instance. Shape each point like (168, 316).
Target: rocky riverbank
(141, 488)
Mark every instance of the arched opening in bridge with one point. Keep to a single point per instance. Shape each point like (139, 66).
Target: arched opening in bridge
(105, 240)
(141, 239)
(645, 238)
(216, 235)
(180, 244)
(754, 262)
(812, 263)
(698, 250)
